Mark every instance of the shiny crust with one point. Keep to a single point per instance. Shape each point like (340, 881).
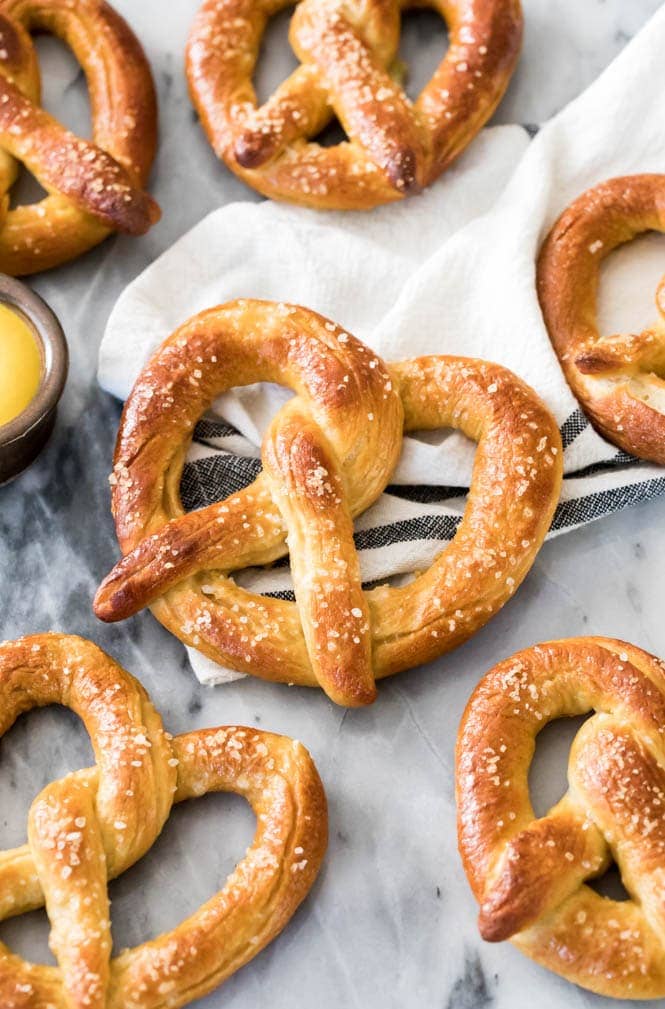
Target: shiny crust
(95, 823)
(529, 874)
(94, 187)
(619, 380)
(327, 455)
(395, 146)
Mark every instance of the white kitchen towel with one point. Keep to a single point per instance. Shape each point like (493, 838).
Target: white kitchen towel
(451, 271)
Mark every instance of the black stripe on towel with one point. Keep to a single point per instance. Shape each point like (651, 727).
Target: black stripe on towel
(572, 427)
(596, 505)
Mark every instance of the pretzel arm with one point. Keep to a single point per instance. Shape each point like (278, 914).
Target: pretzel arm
(308, 487)
(621, 775)
(66, 839)
(65, 164)
(243, 531)
(539, 868)
(372, 108)
(299, 107)
(643, 351)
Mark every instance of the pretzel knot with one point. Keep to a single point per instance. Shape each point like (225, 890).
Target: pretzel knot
(347, 50)
(93, 187)
(327, 455)
(529, 874)
(619, 379)
(93, 824)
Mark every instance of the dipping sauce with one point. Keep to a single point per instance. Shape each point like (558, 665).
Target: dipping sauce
(20, 364)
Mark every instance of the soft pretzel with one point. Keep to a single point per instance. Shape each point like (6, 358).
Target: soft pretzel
(619, 380)
(529, 874)
(93, 824)
(94, 187)
(346, 50)
(327, 455)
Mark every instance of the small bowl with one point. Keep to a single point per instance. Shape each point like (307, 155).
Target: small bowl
(22, 439)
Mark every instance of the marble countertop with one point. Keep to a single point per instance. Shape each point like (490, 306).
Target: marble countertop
(391, 921)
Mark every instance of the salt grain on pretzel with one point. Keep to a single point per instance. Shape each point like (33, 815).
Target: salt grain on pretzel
(530, 874)
(93, 824)
(346, 50)
(619, 379)
(94, 187)
(327, 455)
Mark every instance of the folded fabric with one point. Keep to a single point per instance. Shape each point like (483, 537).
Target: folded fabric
(449, 272)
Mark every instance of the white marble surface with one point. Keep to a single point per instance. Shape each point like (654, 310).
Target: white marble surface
(391, 922)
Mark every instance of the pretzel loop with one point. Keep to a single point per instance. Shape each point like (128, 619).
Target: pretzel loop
(346, 49)
(328, 455)
(93, 824)
(530, 874)
(94, 187)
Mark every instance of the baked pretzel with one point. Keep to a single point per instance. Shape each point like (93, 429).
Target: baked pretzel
(327, 455)
(93, 824)
(529, 874)
(94, 187)
(619, 380)
(346, 50)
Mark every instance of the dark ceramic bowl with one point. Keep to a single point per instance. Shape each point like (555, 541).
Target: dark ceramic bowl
(22, 439)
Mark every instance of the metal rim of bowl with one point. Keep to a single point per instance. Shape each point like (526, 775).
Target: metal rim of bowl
(46, 326)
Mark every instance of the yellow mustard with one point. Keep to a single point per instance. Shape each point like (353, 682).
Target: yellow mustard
(20, 364)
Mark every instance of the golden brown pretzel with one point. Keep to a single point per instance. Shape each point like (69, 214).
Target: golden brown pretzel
(619, 380)
(93, 824)
(529, 874)
(94, 187)
(346, 50)
(327, 455)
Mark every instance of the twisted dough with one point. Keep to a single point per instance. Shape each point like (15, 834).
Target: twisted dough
(346, 51)
(93, 824)
(529, 874)
(94, 187)
(619, 380)
(327, 455)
